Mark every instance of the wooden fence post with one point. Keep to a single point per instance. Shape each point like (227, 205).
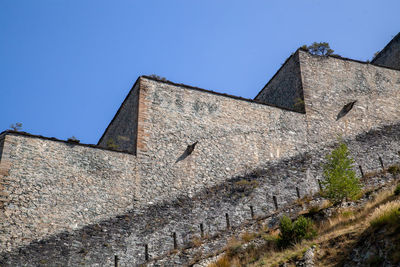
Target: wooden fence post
(228, 225)
(275, 202)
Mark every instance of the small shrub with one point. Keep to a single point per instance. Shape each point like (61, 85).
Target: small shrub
(16, 126)
(111, 144)
(387, 214)
(304, 229)
(154, 76)
(320, 49)
(397, 190)
(233, 248)
(286, 235)
(247, 237)
(73, 139)
(295, 232)
(394, 169)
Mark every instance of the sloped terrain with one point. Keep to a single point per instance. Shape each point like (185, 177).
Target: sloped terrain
(347, 235)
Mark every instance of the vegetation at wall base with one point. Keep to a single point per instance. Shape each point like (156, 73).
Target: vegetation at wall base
(397, 190)
(340, 182)
(394, 169)
(387, 214)
(338, 235)
(295, 232)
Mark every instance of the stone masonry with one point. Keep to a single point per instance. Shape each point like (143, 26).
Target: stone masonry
(65, 203)
(390, 55)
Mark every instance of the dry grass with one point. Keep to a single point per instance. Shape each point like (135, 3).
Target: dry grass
(197, 241)
(223, 261)
(304, 200)
(336, 235)
(388, 213)
(247, 236)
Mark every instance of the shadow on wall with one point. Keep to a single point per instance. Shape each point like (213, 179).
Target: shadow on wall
(187, 152)
(162, 227)
(99, 240)
(1, 147)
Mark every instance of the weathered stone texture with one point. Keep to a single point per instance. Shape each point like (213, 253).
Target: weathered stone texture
(233, 136)
(285, 88)
(68, 204)
(126, 234)
(122, 131)
(56, 187)
(330, 83)
(390, 55)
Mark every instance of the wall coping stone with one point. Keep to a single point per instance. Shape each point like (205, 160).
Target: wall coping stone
(20, 133)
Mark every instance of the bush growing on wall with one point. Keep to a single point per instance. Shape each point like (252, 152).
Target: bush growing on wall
(340, 179)
(319, 49)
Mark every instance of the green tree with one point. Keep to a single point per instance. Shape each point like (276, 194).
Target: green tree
(319, 49)
(340, 181)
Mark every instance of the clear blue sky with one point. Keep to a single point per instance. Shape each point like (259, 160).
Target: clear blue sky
(67, 65)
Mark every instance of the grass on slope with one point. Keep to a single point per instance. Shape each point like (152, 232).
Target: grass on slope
(337, 236)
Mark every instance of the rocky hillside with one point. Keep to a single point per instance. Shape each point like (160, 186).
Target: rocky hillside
(345, 235)
(365, 232)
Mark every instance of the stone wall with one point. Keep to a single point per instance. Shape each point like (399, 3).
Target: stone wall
(121, 133)
(285, 88)
(71, 204)
(233, 136)
(390, 55)
(330, 83)
(54, 186)
(127, 233)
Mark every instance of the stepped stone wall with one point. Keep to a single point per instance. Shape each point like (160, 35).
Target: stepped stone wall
(390, 55)
(127, 233)
(193, 157)
(285, 88)
(122, 131)
(330, 83)
(233, 136)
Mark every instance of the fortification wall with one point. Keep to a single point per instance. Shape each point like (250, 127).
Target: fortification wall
(285, 88)
(390, 55)
(330, 83)
(121, 133)
(127, 234)
(52, 186)
(70, 204)
(233, 137)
